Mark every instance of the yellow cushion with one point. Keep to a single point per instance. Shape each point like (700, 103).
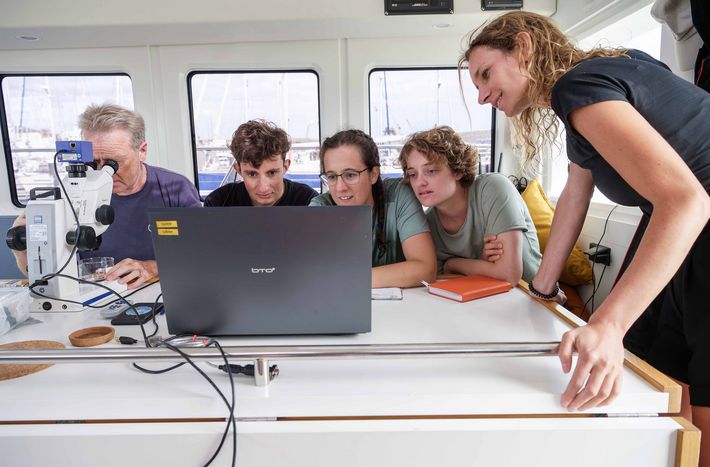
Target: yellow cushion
(577, 270)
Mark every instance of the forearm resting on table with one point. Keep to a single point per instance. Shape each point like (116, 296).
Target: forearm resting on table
(408, 273)
(497, 270)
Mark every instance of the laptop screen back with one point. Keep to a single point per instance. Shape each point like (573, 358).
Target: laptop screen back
(261, 271)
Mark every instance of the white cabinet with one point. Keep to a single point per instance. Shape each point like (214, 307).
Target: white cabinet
(348, 412)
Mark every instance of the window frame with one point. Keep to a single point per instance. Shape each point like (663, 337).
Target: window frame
(428, 68)
(191, 112)
(4, 129)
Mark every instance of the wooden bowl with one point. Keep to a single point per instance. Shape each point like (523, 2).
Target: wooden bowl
(89, 337)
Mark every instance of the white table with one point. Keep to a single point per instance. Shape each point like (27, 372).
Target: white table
(443, 411)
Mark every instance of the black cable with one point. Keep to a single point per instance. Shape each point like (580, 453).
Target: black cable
(157, 372)
(76, 217)
(154, 309)
(597, 284)
(164, 370)
(103, 305)
(72, 256)
(98, 284)
(231, 420)
(231, 410)
(601, 277)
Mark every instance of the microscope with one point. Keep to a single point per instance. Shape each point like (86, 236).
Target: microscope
(61, 224)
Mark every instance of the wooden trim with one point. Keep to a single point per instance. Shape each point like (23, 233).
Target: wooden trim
(556, 309)
(687, 450)
(645, 371)
(656, 379)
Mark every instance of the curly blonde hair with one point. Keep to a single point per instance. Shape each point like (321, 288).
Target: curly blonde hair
(443, 145)
(552, 55)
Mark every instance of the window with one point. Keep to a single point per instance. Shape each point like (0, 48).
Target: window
(403, 101)
(38, 110)
(220, 101)
(638, 31)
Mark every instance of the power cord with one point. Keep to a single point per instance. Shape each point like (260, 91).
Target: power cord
(72, 256)
(247, 370)
(166, 342)
(185, 341)
(597, 284)
(120, 297)
(231, 421)
(154, 310)
(76, 216)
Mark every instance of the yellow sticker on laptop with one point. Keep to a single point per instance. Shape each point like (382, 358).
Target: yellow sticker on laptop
(173, 232)
(166, 224)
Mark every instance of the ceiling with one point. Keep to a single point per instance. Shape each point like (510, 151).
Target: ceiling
(105, 23)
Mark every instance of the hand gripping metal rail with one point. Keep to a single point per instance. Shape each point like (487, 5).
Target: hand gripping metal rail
(261, 355)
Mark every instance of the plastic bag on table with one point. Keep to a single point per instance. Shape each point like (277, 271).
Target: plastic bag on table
(14, 309)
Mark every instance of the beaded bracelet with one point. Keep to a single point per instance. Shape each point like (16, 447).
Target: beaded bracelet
(544, 296)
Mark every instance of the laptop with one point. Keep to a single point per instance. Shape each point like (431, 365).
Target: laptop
(233, 271)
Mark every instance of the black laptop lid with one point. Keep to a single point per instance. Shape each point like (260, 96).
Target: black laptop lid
(276, 270)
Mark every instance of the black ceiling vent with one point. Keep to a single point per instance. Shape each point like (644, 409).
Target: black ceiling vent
(501, 4)
(418, 7)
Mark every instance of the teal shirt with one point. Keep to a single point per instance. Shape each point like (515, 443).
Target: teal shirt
(494, 207)
(404, 218)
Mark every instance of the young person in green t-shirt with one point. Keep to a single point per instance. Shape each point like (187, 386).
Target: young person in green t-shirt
(469, 210)
(402, 250)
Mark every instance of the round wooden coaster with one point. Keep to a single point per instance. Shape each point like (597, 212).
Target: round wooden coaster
(15, 371)
(89, 337)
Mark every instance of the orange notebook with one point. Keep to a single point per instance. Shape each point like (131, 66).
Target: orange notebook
(468, 288)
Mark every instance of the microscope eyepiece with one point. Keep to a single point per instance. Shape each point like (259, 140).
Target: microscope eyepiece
(112, 164)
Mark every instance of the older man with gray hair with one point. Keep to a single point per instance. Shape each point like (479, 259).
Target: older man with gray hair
(118, 134)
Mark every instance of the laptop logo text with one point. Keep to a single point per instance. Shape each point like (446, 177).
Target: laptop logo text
(262, 270)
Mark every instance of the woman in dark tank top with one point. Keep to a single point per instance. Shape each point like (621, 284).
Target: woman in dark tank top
(641, 135)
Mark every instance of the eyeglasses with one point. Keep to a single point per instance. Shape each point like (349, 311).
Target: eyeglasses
(350, 177)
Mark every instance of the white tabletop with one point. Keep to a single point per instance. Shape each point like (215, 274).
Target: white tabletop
(327, 388)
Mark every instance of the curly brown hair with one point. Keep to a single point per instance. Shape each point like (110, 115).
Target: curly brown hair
(443, 145)
(257, 140)
(552, 55)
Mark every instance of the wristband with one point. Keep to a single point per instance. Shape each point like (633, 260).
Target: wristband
(544, 296)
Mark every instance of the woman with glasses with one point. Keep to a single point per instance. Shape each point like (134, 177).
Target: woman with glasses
(402, 251)
(468, 210)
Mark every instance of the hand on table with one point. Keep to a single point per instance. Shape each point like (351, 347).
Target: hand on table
(133, 272)
(597, 377)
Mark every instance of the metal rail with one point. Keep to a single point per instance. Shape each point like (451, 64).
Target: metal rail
(261, 355)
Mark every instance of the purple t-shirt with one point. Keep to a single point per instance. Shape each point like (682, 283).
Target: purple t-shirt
(128, 236)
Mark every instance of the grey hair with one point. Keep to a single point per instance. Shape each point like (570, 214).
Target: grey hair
(108, 117)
